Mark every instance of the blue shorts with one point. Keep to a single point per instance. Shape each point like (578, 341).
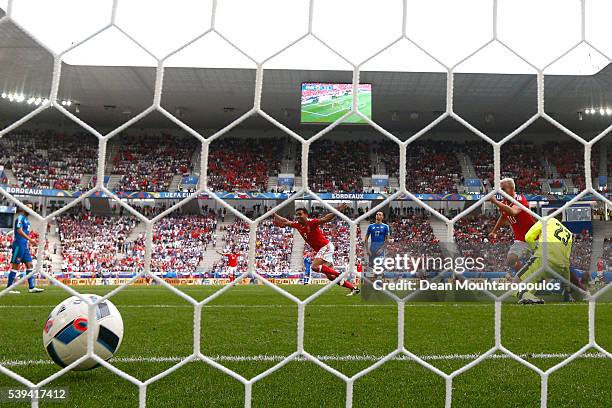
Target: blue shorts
(373, 249)
(21, 253)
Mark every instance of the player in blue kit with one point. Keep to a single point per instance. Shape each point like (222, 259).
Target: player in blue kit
(378, 234)
(21, 252)
(307, 264)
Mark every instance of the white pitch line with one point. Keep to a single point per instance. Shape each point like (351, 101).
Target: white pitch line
(328, 114)
(341, 358)
(333, 113)
(359, 305)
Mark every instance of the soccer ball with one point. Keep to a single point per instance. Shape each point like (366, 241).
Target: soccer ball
(65, 332)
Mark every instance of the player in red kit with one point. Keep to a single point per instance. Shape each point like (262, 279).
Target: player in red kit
(309, 229)
(520, 221)
(232, 263)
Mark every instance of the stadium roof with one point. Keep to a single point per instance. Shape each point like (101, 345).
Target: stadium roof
(449, 30)
(112, 79)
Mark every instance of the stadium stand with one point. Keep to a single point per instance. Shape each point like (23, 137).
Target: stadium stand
(272, 253)
(608, 254)
(6, 239)
(326, 176)
(481, 155)
(432, 167)
(5, 251)
(235, 164)
(581, 250)
(568, 159)
(149, 162)
(273, 248)
(412, 234)
(523, 162)
(471, 235)
(82, 254)
(361, 159)
(179, 243)
(46, 159)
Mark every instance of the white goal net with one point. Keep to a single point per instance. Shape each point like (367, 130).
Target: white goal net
(302, 305)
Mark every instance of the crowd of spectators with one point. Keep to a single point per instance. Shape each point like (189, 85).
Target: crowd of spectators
(432, 167)
(149, 162)
(481, 155)
(338, 232)
(179, 243)
(5, 251)
(240, 164)
(47, 159)
(471, 234)
(524, 163)
(568, 159)
(387, 154)
(92, 243)
(607, 252)
(581, 251)
(99, 244)
(338, 167)
(411, 234)
(234, 239)
(6, 240)
(327, 92)
(273, 248)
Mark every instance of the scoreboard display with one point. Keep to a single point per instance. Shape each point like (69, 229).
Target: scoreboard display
(7, 215)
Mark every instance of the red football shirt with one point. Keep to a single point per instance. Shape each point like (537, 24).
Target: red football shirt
(312, 234)
(522, 222)
(232, 260)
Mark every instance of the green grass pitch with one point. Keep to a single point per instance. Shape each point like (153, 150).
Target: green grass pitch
(332, 110)
(249, 328)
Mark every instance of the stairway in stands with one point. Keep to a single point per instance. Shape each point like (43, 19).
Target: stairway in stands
(441, 231)
(175, 183)
(10, 176)
(272, 182)
(601, 230)
(140, 228)
(363, 226)
(467, 167)
(113, 181)
(54, 241)
(210, 255)
(297, 252)
(394, 183)
(603, 165)
(85, 180)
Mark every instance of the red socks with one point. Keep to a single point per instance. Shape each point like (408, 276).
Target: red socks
(332, 274)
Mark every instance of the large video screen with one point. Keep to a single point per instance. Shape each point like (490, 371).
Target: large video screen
(326, 103)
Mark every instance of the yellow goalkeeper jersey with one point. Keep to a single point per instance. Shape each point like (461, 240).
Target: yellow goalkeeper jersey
(559, 241)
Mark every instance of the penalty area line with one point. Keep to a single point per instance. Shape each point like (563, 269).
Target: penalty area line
(333, 357)
(359, 305)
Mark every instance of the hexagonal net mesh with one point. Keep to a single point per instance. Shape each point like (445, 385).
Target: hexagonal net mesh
(300, 352)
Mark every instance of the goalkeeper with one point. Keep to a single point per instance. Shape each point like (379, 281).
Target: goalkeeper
(559, 242)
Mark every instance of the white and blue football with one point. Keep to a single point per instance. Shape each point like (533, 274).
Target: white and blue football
(65, 332)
